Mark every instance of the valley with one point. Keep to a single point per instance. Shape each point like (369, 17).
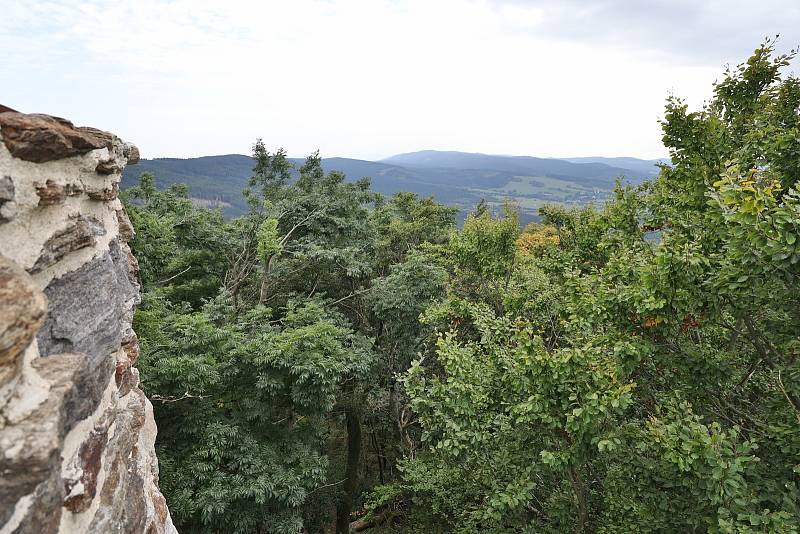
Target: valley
(458, 179)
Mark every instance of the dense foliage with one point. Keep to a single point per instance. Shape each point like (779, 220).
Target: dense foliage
(334, 360)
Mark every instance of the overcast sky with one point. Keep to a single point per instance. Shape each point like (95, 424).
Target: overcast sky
(371, 78)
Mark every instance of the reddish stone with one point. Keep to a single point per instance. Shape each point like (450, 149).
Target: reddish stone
(132, 154)
(109, 166)
(130, 344)
(41, 138)
(120, 370)
(126, 377)
(22, 310)
(106, 194)
(106, 137)
(90, 461)
(126, 231)
(50, 193)
(133, 268)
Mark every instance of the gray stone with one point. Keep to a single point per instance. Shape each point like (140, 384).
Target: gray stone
(131, 153)
(89, 383)
(31, 450)
(89, 307)
(44, 515)
(7, 195)
(6, 189)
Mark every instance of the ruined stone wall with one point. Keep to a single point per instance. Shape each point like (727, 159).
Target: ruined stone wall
(76, 432)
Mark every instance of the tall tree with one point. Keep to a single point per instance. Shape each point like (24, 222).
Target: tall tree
(659, 389)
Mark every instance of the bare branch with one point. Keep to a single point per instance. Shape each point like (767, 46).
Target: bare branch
(353, 294)
(327, 486)
(174, 277)
(186, 395)
(792, 402)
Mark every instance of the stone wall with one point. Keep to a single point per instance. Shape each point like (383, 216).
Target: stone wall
(76, 432)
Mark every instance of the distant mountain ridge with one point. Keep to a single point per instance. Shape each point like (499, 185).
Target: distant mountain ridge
(589, 170)
(647, 166)
(456, 178)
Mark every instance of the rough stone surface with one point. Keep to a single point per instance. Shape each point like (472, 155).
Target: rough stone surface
(108, 166)
(106, 193)
(81, 233)
(77, 433)
(131, 153)
(8, 208)
(87, 308)
(51, 193)
(130, 344)
(126, 376)
(30, 449)
(86, 385)
(41, 138)
(130, 422)
(81, 490)
(46, 516)
(22, 308)
(126, 232)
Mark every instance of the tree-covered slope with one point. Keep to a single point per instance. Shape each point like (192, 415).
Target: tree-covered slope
(455, 178)
(648, 167)
(217, 178)
(592, 173)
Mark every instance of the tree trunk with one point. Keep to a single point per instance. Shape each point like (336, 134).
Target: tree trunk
(377, 519)
(580, 494)
(394, 408)
(378, 456)
(345, 506)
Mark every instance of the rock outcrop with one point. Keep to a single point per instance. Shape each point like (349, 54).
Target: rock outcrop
(76, 432)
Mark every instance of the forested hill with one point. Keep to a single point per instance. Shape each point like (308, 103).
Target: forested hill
(646, 166)
(454, 178)
(599, 170)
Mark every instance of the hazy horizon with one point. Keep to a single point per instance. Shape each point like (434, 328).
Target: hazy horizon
(297, 156)
(370, 79)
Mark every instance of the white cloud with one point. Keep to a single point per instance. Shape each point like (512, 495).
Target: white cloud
(362, 78)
